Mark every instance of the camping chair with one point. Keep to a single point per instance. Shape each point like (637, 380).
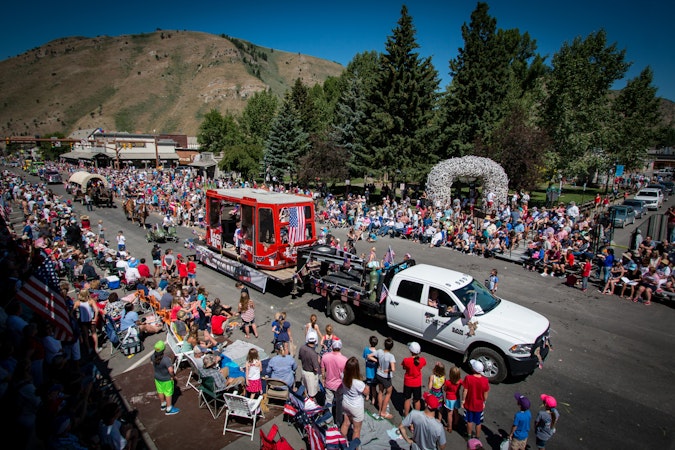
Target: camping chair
(244, 407)
(177, 348)
(194, 379)
(209, 397)
(111, 329)
(276, 390)
(268, 441)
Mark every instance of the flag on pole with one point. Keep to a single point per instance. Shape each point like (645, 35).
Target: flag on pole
(48, 304)
(389, 256)
(384, 293)
(470, 309)
(296, 224)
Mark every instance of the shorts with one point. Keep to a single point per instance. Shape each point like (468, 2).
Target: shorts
(541, 443)
(473, 417)
(156, 262)
(518, 444)
(384, 382)
(415, 392)
(164, 387)
(451, 404)
(356, 414)
(192, 276)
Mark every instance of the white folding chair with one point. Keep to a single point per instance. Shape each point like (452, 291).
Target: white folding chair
(243, 407)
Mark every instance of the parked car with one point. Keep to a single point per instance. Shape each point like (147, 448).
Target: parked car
(661, 186)
(52, 177)
(623, 215)
(639, 206)
(653, 197)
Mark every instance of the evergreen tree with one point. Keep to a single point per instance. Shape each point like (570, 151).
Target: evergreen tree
(348, 115)
(491, 70)
(305, 108)
(399, 111)
(286, 143)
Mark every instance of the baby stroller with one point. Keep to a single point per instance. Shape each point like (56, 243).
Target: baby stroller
(310, 419)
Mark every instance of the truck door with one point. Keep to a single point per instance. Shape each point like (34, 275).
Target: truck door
(405, 308)
(438, 324)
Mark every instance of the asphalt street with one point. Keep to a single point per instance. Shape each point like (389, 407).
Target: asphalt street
(611, 368)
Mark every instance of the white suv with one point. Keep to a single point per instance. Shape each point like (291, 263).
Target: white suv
(652, 196)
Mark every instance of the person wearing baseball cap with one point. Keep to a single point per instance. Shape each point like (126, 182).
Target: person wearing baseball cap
(474, 397)
(164, 378)
(310, 363)
(412, 377)
(332, 369)
(427, 432)
(521, 423)
(547, 419)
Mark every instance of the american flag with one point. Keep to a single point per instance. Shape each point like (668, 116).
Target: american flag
(296, 224)
(384, 293)
(389, 256)
(48, 304)
(470, 309)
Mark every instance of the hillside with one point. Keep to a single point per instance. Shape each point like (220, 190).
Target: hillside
(163, 81)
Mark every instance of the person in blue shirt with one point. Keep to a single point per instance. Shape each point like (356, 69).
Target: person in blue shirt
(282, 366)
(130, 318)
(521, 424)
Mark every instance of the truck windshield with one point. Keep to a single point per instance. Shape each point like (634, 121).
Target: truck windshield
(485, 301)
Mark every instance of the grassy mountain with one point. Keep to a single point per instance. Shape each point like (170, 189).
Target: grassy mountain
(163, 81)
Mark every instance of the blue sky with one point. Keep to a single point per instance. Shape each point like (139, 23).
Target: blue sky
(339, 30)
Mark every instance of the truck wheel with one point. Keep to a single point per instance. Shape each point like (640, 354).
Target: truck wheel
(495, 367)
(342, 312)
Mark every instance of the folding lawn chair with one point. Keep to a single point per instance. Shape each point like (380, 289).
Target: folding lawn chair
(243, 407)
(209, 397)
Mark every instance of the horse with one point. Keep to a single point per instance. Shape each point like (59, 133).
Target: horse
(129, 206)
(140, 214)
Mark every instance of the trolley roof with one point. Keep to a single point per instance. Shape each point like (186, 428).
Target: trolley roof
(261, 196)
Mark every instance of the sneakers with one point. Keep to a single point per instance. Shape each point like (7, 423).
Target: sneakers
(172, 411)
(543, 274)
(163, 406)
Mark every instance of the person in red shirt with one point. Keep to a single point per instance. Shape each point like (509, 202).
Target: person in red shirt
(474, 396)
(143, 269)
(192, 271)
(585, 273)
(412, 377)
(218, 321)
(182, 269)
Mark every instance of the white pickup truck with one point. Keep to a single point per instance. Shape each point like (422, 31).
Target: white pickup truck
(507, 338)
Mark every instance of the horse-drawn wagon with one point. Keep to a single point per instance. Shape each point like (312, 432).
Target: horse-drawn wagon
(82, 183)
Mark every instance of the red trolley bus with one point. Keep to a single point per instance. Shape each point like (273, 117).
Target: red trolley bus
(253, 234)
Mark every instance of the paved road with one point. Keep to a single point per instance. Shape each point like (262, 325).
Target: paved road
(611, 369)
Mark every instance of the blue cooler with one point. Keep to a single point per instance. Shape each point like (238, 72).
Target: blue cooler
(113, 282)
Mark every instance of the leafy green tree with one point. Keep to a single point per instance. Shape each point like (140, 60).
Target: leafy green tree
(210, 136)
(258, 115)
(396, 128)
(492, 70)
(577, 110)
(51, 150)
(325, 161)
(243, 158)
(636, 109)
(286, 143)
(519, 147)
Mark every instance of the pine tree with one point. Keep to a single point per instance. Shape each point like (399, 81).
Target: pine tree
(399, 110)
(348, 115)
(491, 70)
(286, 143)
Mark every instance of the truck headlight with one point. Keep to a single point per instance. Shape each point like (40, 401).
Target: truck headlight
(522, 349)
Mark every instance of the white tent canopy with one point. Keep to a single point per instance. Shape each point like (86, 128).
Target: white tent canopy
(83, 178)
